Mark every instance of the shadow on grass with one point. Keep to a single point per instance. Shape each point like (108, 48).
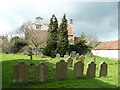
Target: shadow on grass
(70, 82)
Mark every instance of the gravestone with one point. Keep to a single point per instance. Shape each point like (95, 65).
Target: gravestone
(52, 54)
(66, 56)
(20, 73)
(69, 62)
(81, 58)
(44, 56)
(31, 59)
(91, 69)
(89, 54)
(77, 56)
(41, 72)
(73, 53)
(61, 70)
(94, 60)
(103, 69)
(78, 69)
(57, 55)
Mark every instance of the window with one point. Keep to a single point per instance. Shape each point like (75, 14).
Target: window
(38, 26)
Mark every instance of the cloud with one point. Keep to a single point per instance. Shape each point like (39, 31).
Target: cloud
(90, 17)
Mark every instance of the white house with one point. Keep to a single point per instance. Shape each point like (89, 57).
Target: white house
(109, 49)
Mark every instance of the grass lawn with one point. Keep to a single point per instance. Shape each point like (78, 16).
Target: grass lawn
(110, 81)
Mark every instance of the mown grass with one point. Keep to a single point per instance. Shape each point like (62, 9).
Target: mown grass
(110, 81)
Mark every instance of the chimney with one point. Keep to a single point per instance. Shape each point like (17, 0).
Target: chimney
(71, 21)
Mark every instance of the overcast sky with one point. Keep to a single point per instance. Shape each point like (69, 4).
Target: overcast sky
(94, 18)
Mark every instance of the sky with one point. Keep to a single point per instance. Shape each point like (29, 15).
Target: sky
(99, 19)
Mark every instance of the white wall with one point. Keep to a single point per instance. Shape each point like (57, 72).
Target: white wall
(113, 54)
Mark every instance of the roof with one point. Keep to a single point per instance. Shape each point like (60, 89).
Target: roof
(69, 28)
(111, 45)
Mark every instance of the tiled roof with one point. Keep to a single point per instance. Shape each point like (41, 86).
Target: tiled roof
(111, 45)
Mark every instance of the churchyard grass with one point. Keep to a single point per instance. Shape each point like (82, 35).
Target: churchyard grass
(110, 81)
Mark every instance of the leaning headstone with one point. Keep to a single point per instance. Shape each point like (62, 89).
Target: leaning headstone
(77, 56)
(41, 72)
(78, 69)
(52, 54)
(91, 69)
(20, 73)
(44, 56)
(69, 62)
(81, 58)
(66, 56)
(103, 69)
(57, 55)
(61, 69)
(73, 53)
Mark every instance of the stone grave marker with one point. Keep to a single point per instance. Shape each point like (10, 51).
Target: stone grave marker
(78, 69)
(61, 70)
(20, 73)
(52, 54)
(89, 54)
(81, 58)
(67, 53)
(31, 58)
(94, 60)
(41, 72)
(66, 56)
(69, 62)
(77, 56)
(57, 55)
(91, 69)
(73, 53)
(103, 69)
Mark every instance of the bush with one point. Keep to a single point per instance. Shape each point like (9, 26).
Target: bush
(80, 47)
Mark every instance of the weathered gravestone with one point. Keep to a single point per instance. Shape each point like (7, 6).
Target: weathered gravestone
(20, 73)
(69, 62)
(78, 69)
(31, 59)
(77, 56)
(73, 53)
(94, 60)
(61, 70)
(103, 69)
(91, 69)
(41, 72)
(81, 58)
(66, 56)
(67, 53)
(89, 54)
(57, 55)
(52, 54)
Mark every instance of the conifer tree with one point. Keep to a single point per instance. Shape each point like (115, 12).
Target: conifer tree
(52, 36)
(62, 42)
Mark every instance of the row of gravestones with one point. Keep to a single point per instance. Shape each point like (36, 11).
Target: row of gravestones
(41, 71)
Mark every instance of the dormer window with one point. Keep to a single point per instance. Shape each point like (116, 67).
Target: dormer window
(38, 26)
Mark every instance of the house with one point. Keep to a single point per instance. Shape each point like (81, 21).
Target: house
(37, 32)
(109, 49)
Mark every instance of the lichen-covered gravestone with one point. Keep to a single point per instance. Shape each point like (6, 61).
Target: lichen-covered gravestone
(69, 62)
(78, 69)
(20, 73)
(41, 72)
(91, 69)
(103, 69)
(77, 56)
(82, 58)
(61, 70)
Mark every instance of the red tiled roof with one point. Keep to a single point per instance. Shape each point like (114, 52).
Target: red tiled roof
(111, 45)
(69, 28)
